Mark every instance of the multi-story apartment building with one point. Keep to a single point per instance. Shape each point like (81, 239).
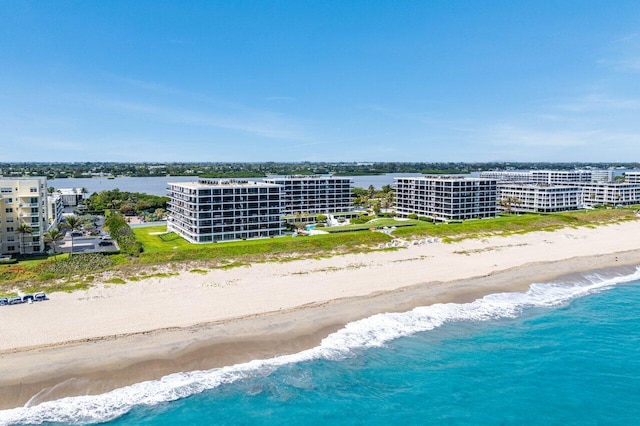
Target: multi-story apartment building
(603, 193)
(314, 194)
(23, 202)
(600, 175)
(537, 198)
(550, 177)
(71, 197)
(222, 210)
(632, 177)
(55, 209)
(446, 197)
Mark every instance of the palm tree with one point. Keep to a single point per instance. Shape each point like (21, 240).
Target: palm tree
(508, 202)
(52, 236)
(72, 223)
(23, 229)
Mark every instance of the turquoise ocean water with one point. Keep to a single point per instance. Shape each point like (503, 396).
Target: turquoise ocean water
(565, 352)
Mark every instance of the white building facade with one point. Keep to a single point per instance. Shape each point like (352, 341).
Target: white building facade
(320, 194)
(446, 198)
(538, 198)
(55, 209)
(613, 194)
(211, 210)
(23, 201)
(632, 177)
(550, 177)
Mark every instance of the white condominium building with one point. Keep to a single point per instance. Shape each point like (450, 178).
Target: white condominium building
(55, 209)
(71, 197)
(550, 177)
(446, 197)
(223, 210)
(314, 194)
(615, 194)
(600, 175)
(538, 198)
(632, 177)
(23, 201)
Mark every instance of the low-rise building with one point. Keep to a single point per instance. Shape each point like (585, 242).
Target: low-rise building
(71, 197)
(446, 198)
(23, 215)
(538, 198)
(223, 210)
(314, 194)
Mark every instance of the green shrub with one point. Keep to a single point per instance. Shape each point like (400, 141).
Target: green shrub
(78, 264)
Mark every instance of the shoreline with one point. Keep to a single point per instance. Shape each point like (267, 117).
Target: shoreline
(96, 364)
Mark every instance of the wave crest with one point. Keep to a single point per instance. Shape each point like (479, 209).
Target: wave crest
(373, 331)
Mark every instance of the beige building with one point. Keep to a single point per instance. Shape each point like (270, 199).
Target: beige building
(23, 201)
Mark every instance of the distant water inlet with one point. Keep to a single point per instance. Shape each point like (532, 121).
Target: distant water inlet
(559, 353)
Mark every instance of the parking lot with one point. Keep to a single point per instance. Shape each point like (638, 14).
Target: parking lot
(85, 244)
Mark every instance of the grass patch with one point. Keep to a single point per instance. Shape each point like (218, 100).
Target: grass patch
(199, 271)
(233, 265)
(116, 280)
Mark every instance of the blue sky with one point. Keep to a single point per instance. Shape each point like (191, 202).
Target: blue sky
(320, 81)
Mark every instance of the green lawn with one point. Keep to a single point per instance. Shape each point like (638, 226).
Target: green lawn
(514, 224)
(170, 247)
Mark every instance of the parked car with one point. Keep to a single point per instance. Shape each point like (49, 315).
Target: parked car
(15, 300)
(4, 301)
(105, 243)
(76, 234)
(105, 237)
(40, 296)
(27, 298)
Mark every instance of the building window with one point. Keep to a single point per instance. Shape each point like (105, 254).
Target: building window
(33, 189)
(8, 200)
(6, 190)
(8, 210)
(11, 248)
(9, 219)
(9, 228)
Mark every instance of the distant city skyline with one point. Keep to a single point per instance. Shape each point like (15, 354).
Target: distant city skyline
(409, 81)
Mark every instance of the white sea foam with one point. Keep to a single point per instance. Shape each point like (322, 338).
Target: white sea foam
(374, 331)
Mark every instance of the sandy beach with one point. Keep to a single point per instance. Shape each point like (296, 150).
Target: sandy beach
(112, 335)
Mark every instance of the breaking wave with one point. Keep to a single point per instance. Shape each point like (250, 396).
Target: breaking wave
(374, 331)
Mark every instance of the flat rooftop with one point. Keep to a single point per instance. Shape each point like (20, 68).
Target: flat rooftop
(221, 183)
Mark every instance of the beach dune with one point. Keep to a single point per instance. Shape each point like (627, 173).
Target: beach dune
(112, 335)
